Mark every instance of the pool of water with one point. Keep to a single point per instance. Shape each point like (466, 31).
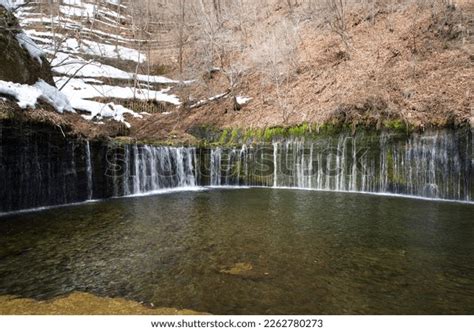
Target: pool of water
(249, 251)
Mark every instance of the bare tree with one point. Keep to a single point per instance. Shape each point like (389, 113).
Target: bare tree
(276, 57)
(337, 19)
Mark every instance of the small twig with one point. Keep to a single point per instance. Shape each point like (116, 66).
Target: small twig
(60, 128)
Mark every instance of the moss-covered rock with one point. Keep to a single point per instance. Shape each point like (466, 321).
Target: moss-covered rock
(16, 64)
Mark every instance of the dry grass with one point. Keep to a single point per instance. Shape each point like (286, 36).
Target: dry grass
(72, 125)
(413, 64)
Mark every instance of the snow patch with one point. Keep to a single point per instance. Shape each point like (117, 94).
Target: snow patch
(205, 101)
(99, 111)
(66, 64)
(86, 10)
(6, 4)
(12, 4)
(85, 46)
(242, 100)
(27, 95)
(54, 97)
(27, 43)
(78, 88)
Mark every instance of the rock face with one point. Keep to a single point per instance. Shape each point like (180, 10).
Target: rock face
(40, 164)
(43, 165)
(16, 64)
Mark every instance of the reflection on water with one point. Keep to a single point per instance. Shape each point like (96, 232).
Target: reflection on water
(249, 251)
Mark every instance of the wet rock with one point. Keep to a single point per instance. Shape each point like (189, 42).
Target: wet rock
(245, 271)
(238, 269)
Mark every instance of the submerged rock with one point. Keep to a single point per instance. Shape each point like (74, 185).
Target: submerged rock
(245, 271)
(238, 269)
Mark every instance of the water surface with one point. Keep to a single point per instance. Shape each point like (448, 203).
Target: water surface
(249, 251)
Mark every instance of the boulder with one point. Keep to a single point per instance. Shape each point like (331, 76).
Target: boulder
(16, 64)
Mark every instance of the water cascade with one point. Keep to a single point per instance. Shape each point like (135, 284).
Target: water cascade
(216, 166)
(143, 169)
(44, 169)
(433, 165)
(89, 171)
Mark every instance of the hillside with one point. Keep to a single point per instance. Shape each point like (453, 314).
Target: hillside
(95, 60)
(409, 64)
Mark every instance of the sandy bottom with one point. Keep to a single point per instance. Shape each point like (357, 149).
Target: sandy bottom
(82, 304)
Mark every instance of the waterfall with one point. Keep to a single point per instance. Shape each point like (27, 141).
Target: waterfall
(432, 165)
(275, 162)
(37, 173)
(156, 168)
(90, 188)
(216, 167)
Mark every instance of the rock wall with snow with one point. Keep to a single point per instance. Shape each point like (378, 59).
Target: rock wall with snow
(17, 64)
(96, 57)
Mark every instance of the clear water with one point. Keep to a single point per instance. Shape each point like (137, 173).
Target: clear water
(309, 252)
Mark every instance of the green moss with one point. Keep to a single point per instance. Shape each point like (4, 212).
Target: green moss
(269, 134)
(234, 136)
(329, 129)
(223, 138)
(211, 136)
(300, 130)
(272, 133)
(390, 166)
(247, 136)
(396, 125)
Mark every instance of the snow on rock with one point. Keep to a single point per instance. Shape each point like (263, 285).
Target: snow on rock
(242, 100)
(28, 95)
(23, 39)
(27, 43)
(25, 95)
